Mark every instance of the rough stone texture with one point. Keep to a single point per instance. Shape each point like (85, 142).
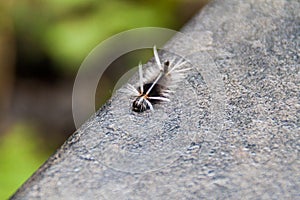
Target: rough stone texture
(231, 133)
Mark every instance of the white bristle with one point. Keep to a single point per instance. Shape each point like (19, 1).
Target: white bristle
(164, 78)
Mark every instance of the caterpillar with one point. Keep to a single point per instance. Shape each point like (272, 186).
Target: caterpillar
(157, 84)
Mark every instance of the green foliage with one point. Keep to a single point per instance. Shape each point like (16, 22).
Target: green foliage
(20, 157)
(68, 30)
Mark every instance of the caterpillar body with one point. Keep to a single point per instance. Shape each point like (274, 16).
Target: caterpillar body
(157, 84)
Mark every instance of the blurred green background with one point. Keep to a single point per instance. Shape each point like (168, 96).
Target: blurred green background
(42, 44)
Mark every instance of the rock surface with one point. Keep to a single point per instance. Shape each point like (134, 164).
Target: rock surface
(231, 133)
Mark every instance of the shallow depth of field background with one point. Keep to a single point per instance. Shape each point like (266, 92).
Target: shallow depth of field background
(42, 44)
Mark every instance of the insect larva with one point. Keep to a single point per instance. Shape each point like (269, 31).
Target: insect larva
(158, 83)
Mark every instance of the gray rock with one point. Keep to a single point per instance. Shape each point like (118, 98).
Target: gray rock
(231, 133)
